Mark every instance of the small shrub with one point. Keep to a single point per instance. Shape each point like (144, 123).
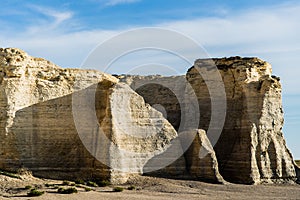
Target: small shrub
(66, 183)
(132, 187)
(118, 189)
(50, 185)
(27, 187)
(87, 189)
(91, 184)
(103, 183)
(67, 190)
(35, 193)
(79, 181)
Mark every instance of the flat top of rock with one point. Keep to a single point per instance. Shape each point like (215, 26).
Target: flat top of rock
(231, 62)
(15, 62)
(18, 59)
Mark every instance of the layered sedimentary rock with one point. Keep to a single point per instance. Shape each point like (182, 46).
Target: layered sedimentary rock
(251, 148)
(165, 94)
(70, 123)
(201, 159)
(297, 173)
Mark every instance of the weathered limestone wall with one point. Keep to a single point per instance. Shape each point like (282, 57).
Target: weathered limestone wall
(297, 173)
(47, 143)
(251, 148)
(39, 133)
(165, 94)
(26, 81)
(172, 97)
(201, 159)
(117, 127)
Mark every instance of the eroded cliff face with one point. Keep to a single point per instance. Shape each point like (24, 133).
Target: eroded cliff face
(251, 148)
(202, 163)
(26, 81)
(71, 123)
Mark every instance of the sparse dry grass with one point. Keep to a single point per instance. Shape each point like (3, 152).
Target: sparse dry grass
(297, 162)
(152, 188)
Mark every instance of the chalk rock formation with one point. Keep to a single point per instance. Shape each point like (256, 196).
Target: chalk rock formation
(71, 123)
(251, 148)
(297, 173)
(60, 122)
(173, 96)
(175, 99)
(201, 159)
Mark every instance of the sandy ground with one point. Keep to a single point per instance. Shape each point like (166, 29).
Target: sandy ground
(149, 188)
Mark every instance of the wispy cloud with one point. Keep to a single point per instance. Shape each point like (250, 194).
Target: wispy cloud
(117, 2)
(272, 26)
(108, 3)
(272, 34)
(53, 19)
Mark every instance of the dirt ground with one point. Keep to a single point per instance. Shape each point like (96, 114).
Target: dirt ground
(148, 188)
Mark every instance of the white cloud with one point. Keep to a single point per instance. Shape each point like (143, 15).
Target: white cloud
(118, 2)
(54, 19)
(276, 26)
(272, 34)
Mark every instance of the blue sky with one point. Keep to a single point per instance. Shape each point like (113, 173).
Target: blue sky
(66, 31)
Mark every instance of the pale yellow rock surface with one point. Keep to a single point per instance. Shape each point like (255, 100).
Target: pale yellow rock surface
(201, 159)
(72, 123)
(38, 130)
(251, 148)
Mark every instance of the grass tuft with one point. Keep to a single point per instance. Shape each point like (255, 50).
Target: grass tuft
(11, 175)
(80, 181)
(91, 184)
(27, 187)
(35, 193)
(66, 182)
(118, 189)
(103, 183)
